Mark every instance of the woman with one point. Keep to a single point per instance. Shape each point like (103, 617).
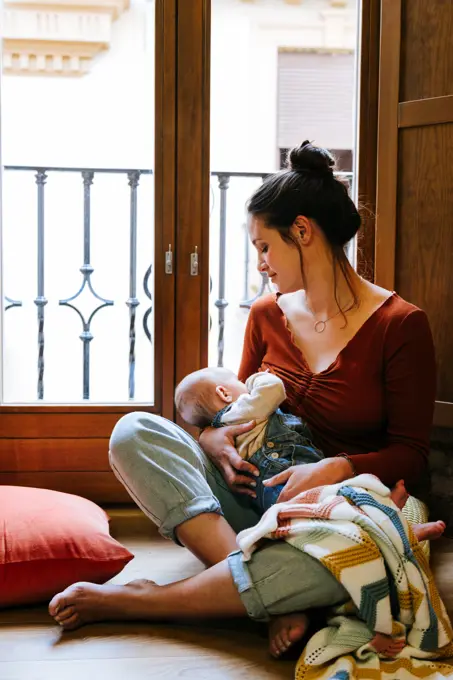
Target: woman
(358, 366)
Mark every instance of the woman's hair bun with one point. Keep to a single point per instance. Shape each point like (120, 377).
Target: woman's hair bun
(307, 157)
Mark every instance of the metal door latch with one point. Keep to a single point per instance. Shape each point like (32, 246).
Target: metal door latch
(194, 263)
(169, 260)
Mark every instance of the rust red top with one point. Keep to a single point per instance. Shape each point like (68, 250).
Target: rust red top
(374, 402)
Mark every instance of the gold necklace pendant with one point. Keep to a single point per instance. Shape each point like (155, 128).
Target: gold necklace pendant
(320, 326)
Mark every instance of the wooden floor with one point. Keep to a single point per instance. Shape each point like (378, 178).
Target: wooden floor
(33, 648)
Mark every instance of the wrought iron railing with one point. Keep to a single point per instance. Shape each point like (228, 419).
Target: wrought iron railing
(87, 176)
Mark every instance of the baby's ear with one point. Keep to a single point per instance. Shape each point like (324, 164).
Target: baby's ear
(224, 393)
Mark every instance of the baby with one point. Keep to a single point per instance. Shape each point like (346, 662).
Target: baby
(216, 397)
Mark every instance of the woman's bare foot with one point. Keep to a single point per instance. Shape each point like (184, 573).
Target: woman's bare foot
(84, 603)
(285, 630)
(429, 531)
(399, 494)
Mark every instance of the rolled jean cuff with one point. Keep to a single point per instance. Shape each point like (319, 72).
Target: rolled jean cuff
(245, 587)
(187, 510)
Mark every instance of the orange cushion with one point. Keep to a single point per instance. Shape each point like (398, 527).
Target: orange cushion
(49, 540)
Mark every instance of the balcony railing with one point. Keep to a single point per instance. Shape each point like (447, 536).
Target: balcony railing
(235, 283)
(87, 177)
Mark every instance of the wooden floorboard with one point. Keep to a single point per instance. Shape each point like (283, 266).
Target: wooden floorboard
(189, 668)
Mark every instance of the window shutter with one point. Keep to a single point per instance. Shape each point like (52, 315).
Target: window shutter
(315, 99)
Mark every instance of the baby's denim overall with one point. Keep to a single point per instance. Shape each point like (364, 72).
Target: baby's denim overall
(287, 442)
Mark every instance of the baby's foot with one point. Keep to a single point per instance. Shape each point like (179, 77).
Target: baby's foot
(386, 645)
(429, 531)
(285, 630)
(399, 494)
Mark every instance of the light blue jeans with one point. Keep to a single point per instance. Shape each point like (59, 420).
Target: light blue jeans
(171, 479)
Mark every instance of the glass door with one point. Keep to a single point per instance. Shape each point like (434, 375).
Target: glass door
(83, 256)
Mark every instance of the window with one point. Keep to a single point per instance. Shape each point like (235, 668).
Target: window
(78, 241)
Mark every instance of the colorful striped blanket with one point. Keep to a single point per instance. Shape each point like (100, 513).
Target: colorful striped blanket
(356, 531)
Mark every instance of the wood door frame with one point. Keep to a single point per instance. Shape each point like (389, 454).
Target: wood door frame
(65, 447)
(193, 180)
(370, 19)
(165, 192)
(387, 146)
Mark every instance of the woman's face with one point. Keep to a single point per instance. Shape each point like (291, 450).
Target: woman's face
(278, 258)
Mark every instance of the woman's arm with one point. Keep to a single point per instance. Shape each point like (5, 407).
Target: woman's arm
(410, 390)
(219, 445)
(299, 478)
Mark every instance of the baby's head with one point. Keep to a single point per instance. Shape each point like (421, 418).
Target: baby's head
(200, 395)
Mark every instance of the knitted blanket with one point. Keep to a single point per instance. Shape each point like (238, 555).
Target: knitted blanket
(356, 531)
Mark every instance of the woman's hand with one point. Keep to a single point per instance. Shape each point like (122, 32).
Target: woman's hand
(219, 445)
(299, 478)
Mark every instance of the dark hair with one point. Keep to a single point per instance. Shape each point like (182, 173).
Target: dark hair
(309, 187)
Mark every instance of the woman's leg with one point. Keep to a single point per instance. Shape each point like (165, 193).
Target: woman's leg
(167, 474)
(279, 584)
(279, 579)
(209, 594)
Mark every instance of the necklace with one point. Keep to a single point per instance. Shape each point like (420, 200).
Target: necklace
(320, 326)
